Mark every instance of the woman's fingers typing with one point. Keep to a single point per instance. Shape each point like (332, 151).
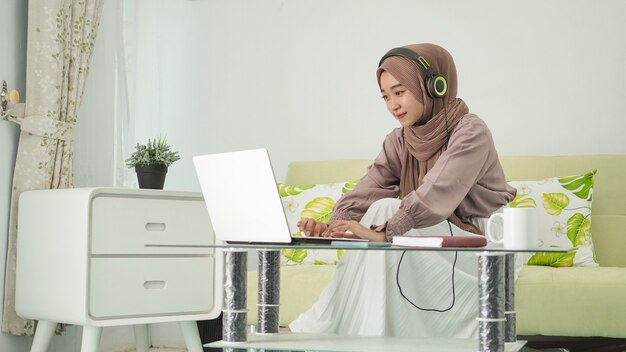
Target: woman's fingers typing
(340, 226)
(311, 227)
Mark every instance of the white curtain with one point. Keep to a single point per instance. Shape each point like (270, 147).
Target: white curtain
(61, 38)
(140, 95)
(125, 42)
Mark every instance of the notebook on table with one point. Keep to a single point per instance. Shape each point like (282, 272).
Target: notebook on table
(243, 201)
(439, 241)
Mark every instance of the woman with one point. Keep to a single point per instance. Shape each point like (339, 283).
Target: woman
(443, 166)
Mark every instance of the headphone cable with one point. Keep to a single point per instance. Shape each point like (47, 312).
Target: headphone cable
(445, 111)
(453, 289)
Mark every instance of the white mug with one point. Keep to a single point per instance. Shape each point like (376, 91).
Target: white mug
(519, 228)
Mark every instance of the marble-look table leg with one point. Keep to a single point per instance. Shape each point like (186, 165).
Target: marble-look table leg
(491, 299)
(234, 310)
(269, 291)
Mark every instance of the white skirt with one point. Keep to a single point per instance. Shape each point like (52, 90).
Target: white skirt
(363, 297)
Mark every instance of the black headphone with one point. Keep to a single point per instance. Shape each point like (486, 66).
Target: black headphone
(436, 85)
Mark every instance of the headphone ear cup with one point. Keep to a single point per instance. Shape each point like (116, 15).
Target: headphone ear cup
(436, 86)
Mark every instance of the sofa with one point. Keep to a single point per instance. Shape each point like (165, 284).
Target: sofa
(556, 302)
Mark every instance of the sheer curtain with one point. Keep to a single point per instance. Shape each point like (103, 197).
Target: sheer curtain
(139, 92)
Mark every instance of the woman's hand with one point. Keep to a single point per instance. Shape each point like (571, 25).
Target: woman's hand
(311, 227)
(353, 229)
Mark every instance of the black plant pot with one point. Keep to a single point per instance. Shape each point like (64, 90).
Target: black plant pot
(151, 176)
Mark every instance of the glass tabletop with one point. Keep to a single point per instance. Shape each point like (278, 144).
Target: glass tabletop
(377, 246)
(343, 343)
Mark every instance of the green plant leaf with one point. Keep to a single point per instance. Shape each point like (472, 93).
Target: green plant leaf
(289, 190)
(578, 229)
(295, 255)
(523, 201)
(554, 203)
(319, 262)
(580, 185)
(319, 209)
(552, 259)
(349, 186)
(155, 152)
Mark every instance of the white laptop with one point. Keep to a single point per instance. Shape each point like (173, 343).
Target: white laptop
(242, 198)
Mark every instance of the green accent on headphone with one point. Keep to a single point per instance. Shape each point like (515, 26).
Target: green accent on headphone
(436, 84)
(440, 85)
(423, 62)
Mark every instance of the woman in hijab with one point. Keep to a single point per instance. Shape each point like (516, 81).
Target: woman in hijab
(442, 165)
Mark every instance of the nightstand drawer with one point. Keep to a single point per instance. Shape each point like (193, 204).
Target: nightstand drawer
(136, 287)
(124, 225)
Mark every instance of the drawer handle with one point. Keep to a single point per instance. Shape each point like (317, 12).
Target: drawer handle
(154, 284)
(155, 226)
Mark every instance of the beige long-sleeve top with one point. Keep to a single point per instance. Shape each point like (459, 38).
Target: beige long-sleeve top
(467, 179)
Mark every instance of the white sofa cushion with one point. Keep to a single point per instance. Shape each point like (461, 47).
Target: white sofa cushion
(563, 217)
(316, 202)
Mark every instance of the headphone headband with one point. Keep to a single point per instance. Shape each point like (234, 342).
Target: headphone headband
(412, 55)
(436, 84)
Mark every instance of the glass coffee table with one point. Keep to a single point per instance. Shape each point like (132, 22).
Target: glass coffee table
(341, 343)
(496, 304)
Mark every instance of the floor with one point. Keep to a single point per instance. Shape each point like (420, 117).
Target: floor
(575, 344)
(154, 349)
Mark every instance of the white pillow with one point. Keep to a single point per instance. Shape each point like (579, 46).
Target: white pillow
(564, 217)
(311, 201)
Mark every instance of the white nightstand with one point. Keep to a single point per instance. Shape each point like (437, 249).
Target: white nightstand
(82, 260)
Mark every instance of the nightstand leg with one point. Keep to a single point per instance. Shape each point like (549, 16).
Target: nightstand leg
(91, 338)
(491, 302)
(234, 309)
(43, 335)
(510, 334)
(142, 338)
(269, 291)
(191, 335)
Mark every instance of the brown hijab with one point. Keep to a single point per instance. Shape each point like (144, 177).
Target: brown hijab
(427, 139)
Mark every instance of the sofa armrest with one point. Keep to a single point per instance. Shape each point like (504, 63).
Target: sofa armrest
(573, 301)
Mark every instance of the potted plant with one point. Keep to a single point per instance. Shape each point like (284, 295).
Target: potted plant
(151, 161)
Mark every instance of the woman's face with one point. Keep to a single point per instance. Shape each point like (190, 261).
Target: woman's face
(401, 103)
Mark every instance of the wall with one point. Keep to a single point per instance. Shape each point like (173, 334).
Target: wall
(297, 77)
(12, 70)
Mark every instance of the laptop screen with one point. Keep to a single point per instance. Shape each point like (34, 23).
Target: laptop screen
(242, 198)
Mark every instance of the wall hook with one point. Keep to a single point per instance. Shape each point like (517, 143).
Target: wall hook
(7, 97)
(3, 100)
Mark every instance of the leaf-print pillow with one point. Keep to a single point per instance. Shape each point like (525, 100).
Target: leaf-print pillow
(316, 202)
(563, 216)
